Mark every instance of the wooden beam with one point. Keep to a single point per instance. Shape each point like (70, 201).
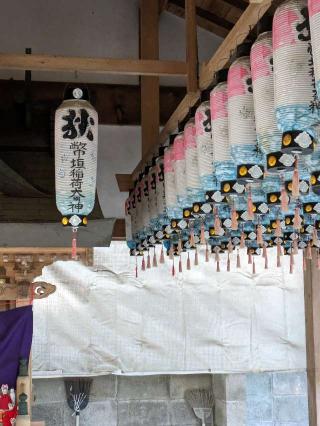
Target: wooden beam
(124, 182)
(149, 67)
(149, 50)
(119, 230)
(162, 5)
(239, 4)
(237, 35)
(312, 309)
(201, 22)
(191, 46)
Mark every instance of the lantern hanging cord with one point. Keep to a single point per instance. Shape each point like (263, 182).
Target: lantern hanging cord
(74, 243)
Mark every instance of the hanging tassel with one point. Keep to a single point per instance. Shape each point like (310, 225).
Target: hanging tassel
(253, 267)
(188, 263)
(295, 180)
(154, 260)
(295, 245)
(180, 265)
(173, 270)
(291, 262)
(207, 253)
(238, 260)
(266, 260)
(196, 259)
(171, 252)
(264, 251)
(162, 256)
(218, 266)
(259, 235)
(309, 251)
(202, 237)
(278, 255)
(250, 206)
(249, 257)
(217, 223)
(148, 261)
(217, 257)
(74, 244)
(297, 219)
(230, 247)
(179, 246)
(304, 262)
(318, 260)
(242, 240)
(228, 263)
(143, 264)
(136, 267)
(278, 230)
(234, 220)
(191, 237)
(315, 240)
(284, 199)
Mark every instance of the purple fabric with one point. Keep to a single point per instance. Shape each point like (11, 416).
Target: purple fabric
(15, 342)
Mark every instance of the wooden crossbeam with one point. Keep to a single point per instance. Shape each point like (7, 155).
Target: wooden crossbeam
(10, 61)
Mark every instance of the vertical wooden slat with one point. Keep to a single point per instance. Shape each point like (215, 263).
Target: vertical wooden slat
(149, 49)
(191, 46)
(312, 321)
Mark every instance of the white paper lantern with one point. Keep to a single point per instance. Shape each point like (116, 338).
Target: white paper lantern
(295, 94)
(192, 169)
(241, 121)
(76, 144)
(161, 201)
(169, 181)
(204, 145)
(179, 166)
(314, 14)
(269, 137)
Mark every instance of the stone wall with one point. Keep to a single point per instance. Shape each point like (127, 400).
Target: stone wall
(266, 399)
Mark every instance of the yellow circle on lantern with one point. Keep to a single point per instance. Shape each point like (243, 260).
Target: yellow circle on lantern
(212, 231)
(288, 220)
(85, 220)
(290, 186)
(187, 213)
(65, 221)
(313, 180)
(174, 224)
(226, 187)
(274, 225)
(273, 198)
(287, 140)
(308, 208)
(272, 161)
(243, 170)
(254, 208)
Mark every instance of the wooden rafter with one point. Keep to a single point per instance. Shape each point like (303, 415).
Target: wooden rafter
(148, 67)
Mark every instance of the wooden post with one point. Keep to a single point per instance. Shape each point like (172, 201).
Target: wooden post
(191, 46)
(312, 319)
(149, 49)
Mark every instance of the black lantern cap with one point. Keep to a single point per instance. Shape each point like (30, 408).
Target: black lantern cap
(222, 75)
(77, 92)
(241, 50)
(172, 138)
(265, 24)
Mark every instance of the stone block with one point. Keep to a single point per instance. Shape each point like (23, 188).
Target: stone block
(258, 384)
(235, 387)
(143, 387)
(103, 387)
(49, 390)
(259, 409)
(180, 383)
(290, 383)
(220, 413)
(51, 413)
(219, 386)
(180, 413)
(96, 413)
(236, 413)
(143, 413)
(291, 409)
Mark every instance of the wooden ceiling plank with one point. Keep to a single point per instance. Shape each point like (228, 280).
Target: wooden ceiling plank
(149, 67)
(191, 46)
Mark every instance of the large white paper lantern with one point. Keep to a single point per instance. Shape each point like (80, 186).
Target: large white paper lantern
(192, 170)
(170, 184)
(295, 94)
(76, 144)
